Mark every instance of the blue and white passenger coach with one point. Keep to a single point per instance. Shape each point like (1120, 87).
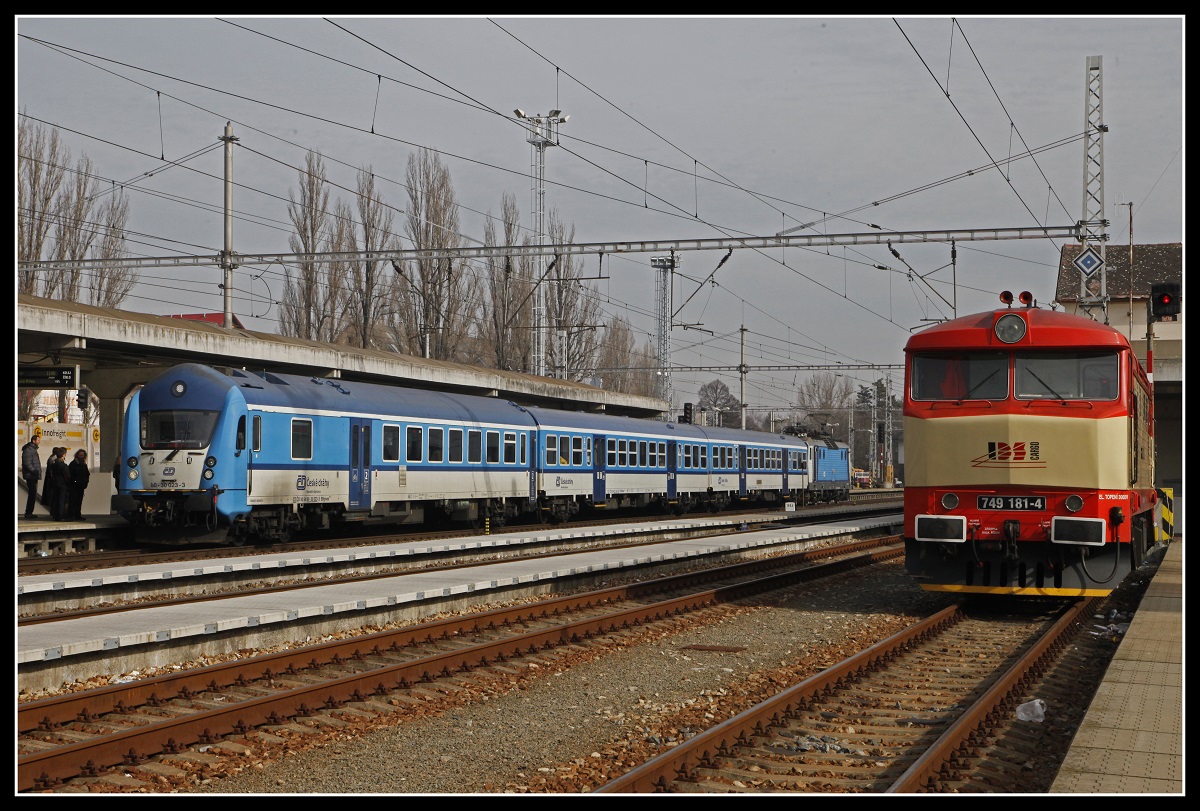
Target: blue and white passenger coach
(211, 456)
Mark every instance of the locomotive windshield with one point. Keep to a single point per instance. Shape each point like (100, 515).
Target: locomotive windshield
(960, 376)
(177, 429)
(1067, 375)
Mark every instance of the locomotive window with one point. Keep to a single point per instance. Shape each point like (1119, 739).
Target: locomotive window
(493, 447)
(240, 443)
(612, 453)
(435, 444)
(1067, 375)
(413, 439)
(455, 448)
(391, 443)
(256, 433)
(474, 446)
(510, 447)
(302, 439)
(577, 451)
(177, 429)
(960, 376)
(551, 449)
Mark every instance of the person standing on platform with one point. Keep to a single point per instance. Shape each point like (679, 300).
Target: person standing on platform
(58, 483)
(80, 474)
(31, 471)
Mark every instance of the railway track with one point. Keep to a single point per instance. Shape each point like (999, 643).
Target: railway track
(133, 726)
(902, 716)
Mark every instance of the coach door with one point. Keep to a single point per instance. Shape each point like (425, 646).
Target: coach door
(599, 469)
(743, 452)
(360, 463)
(672, 466)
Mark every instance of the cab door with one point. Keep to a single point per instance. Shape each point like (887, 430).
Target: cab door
(360, 463)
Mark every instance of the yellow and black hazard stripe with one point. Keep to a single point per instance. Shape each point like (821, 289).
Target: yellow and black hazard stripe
(1166, 524)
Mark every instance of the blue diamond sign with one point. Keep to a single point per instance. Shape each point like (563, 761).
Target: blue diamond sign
(1088, 262)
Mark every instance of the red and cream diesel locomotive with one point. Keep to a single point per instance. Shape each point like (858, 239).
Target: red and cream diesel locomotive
(1029, 445)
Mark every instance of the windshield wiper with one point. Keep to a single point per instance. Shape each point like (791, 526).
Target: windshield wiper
(1034, 375)
(975, 388)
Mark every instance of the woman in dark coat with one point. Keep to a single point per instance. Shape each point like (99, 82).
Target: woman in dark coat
(80, 474)
(58, 482)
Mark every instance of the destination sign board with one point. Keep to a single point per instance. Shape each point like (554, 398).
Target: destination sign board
(48, 377)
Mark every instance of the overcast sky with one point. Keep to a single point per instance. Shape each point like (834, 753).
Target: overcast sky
(680, 128)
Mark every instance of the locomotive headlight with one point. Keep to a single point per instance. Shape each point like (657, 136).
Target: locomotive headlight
(210, 461)
(178, 388)
(208, 472)
(1010, 328)
(133, 475)
(949, 501)
(1074, 503)
(132, 461)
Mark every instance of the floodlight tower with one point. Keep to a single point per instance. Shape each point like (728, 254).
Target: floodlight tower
(543, 133)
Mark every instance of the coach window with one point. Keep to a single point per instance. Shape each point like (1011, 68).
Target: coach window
(642, 454)
(454, 448)
(704, 456)
(622, 453)
(662, 454)
(588, 451)
(577, 451)
(612, 453)
(302, 439)
(435, 444)
(474, 446)
(493, 447)
(391, 443)
(413, 440)
(510, 447)
(524, 448)
(551, 450)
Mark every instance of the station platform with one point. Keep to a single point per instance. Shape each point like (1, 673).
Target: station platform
(147, 634)
(1131, 739)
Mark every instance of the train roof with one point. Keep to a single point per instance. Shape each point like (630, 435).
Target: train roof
(738, 435)
(325, 394)
(602, 423)
(1046, 329)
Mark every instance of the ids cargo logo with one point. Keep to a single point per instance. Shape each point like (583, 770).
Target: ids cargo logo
(1011, 455)
(303, 482)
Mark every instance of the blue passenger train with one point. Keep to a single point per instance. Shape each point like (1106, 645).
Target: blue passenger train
(242, 456)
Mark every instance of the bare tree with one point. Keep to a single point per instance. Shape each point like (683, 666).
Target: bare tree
(41, 169)
(572, 310)
(110, 284)
(507, 318)
(313, 299)
(369, 278)
(823, 398)
(716, 398)
(614, 355)
(437, 299)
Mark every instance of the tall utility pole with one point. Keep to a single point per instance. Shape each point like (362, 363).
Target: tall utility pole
(543, 133)
(1093, 288)
(742, 369)
(662, 295)
(227, 255)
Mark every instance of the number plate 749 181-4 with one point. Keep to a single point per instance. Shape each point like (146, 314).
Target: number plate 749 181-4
(1011, 502)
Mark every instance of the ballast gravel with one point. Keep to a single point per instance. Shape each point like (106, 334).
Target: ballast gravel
(569, 721)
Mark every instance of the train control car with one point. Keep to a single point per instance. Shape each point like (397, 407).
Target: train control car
(1029, 438)
(237, 456)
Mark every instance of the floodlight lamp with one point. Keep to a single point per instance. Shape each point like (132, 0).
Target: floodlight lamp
(519, 112)
(563, 120)
(555, 113)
